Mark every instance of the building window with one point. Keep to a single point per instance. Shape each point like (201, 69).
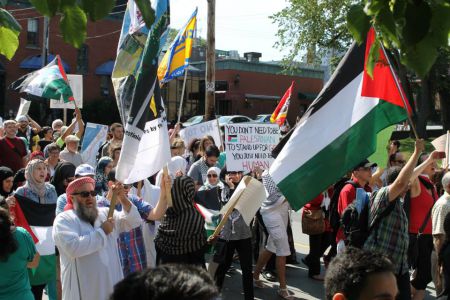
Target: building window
(32, 32)
(82, 60)
(104, 85)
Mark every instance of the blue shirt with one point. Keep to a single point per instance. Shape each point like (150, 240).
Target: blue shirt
(50, 196)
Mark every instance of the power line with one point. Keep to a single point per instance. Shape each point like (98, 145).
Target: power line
(97, 36)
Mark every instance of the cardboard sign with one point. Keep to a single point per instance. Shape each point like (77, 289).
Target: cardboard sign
(200, 130)
(76, 84)
(23, 108)
(250, 145)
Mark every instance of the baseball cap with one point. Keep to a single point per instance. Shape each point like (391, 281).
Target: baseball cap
(365, 164)
(84, 170)
(22, 118)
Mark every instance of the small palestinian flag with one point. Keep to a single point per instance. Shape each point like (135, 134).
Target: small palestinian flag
(280, 113)
(38, 219)
(212, 217)
(232, 138)
(50, 82)
(339, 129)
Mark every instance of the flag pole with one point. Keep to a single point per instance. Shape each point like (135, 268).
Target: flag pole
(447, 150)
(182, 94)
(397, 83)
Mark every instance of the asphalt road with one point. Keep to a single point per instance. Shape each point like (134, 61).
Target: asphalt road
(297, 275)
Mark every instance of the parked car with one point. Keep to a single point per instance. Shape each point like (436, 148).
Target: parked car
(193, 120)
(262, 118)
(233, 119)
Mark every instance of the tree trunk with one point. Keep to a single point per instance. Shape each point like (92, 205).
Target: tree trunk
(424, 108)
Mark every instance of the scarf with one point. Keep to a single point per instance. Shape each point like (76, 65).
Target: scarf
(219, 184)
(182, 228)
(73, 186)
(63, 170)
(5, 173)
(31, 183)
(177, 163)
(101, 182)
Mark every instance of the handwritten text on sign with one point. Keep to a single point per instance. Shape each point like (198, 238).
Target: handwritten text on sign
(250, 145)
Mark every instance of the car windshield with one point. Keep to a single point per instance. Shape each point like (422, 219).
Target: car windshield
(224, 119)
(195, 119)
(261, 117)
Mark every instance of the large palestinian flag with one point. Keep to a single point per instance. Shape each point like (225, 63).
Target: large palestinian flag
(50, 82)
(38, 219)
(340, 127)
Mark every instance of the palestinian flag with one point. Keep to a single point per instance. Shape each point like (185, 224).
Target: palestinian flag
(50, 82)
(38, 219)
(280, 113)
(340, 127)
(212, 217)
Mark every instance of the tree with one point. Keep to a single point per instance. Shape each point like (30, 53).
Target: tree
(73, 22)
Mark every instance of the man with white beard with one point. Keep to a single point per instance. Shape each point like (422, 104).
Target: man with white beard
(87, 241)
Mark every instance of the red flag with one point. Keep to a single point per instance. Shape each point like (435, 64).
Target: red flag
(280, 113)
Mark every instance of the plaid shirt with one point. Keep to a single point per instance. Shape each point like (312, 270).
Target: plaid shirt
(391, 238)
(131, 244)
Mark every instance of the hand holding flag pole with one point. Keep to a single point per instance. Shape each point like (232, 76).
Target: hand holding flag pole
(167, 188)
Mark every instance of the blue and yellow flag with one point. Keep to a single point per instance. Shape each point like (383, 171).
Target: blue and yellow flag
(177, 57)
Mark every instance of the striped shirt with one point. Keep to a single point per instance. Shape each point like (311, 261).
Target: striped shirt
(391, 237)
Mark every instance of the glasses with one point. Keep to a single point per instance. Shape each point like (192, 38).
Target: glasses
(233, 173)
(127, 186)
(212, 175)
(400, 161)
(54, 153)
(86, 194)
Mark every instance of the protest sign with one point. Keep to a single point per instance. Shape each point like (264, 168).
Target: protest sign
(442, 144)
(94, 137)
(200, 130)
(23, 108)
(250, 145)
(76, 84)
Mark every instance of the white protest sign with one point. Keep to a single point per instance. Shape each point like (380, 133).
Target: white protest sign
(250, 145)
(76, 84)
(200, 130)
(23, 108)
(94, 137)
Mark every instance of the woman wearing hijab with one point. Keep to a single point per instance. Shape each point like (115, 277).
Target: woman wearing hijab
(38, 197)
(64, 174)
(6, 181)
(176, 167)
(104, 166)
(212, 179)
(181, 237)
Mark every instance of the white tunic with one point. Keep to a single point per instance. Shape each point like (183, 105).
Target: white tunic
(90, 264)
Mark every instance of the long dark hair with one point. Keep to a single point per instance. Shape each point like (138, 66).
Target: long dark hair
(8, 243)
(447, 238)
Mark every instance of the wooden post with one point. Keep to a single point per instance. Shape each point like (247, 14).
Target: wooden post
(112, 205)
(180, 109)
(168, 193)
(210, 63)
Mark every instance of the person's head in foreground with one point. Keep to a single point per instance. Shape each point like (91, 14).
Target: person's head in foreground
(181, 282)
(359, 274)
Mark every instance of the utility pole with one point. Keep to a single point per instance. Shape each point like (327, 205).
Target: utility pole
(210, 101)
(44, 58)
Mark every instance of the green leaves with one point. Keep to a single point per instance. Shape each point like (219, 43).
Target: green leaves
(148, 14)
(9, 34)
(46, 7)
(416, 28)
(73, 25)
(358, 23)
(97, 9)
(374, 55)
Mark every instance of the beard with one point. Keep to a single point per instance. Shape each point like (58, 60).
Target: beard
(86, 214)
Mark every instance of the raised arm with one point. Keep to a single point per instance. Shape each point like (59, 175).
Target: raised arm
(80, 123)
(34, 125)
(414, 180)
(401, 182)
(160, 209)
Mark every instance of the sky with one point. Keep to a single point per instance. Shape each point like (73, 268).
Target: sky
(242, 25)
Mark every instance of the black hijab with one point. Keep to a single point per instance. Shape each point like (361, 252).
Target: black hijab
(5, 172)
(63, 170)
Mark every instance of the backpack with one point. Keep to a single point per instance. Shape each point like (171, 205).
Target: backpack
(356, 225)
(333, 214)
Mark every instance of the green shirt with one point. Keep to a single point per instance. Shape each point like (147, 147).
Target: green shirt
(14, 280)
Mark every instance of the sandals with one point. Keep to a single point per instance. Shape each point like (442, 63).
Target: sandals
(284, 294)
(258, 283)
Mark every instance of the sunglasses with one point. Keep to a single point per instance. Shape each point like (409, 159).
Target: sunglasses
(86, 194)
(233, 173)
(212, 175)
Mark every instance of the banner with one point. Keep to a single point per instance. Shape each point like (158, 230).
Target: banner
(94, 137)
(200, 130)
(76, 84)
(250, 145)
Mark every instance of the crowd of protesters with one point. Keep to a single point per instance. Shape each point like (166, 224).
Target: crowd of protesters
(59, 236)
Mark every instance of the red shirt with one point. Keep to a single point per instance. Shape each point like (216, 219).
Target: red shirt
(11, 153)
(419, 208)
(346, 197)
